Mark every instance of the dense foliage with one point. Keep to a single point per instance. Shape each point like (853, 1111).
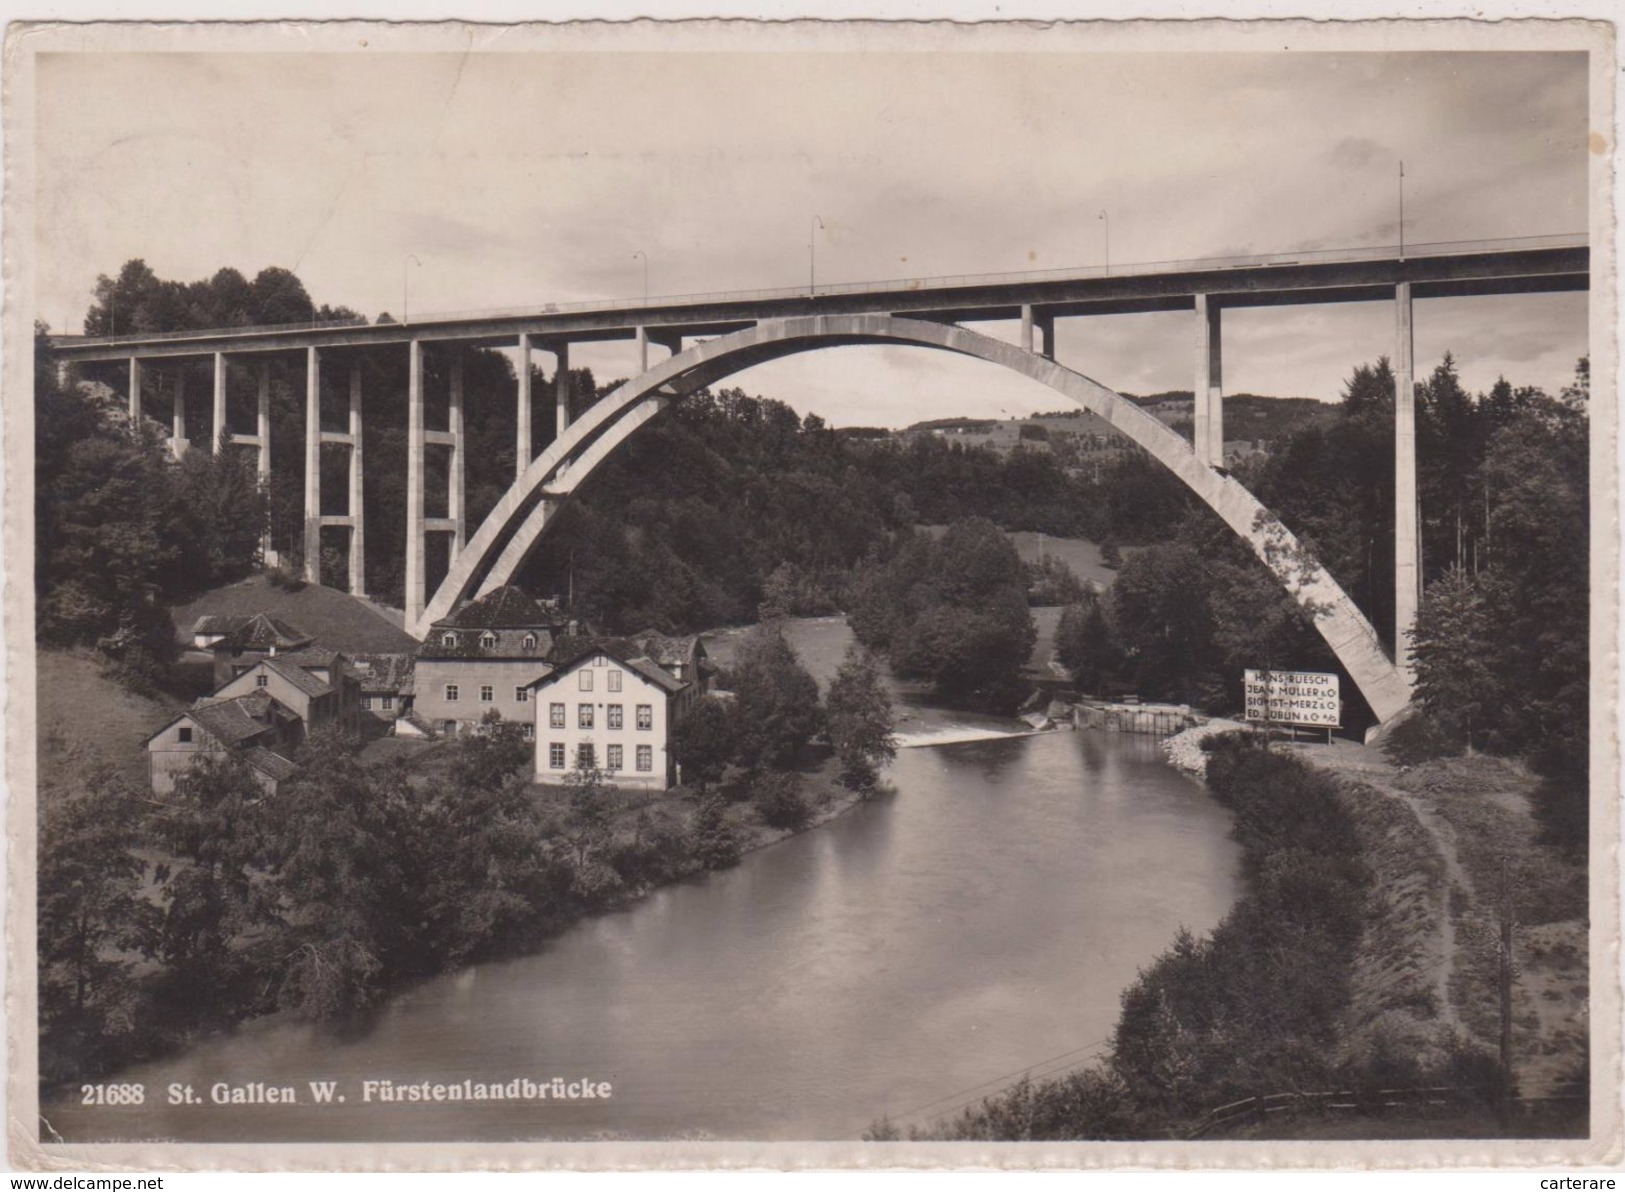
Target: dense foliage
(123, 530)
(1501, 645)
(951, 611)
(161, 916)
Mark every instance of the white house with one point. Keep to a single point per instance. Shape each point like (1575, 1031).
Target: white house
(612, 707)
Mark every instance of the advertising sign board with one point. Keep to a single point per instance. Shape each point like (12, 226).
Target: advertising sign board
(1293, 697)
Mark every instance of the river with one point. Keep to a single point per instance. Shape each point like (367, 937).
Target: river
(899, 960)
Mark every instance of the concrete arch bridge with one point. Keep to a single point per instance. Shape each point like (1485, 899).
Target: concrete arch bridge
(733, 332)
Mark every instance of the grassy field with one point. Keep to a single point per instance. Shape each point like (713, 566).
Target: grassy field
(89, 722)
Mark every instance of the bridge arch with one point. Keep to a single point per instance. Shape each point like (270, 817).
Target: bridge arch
(506, 538)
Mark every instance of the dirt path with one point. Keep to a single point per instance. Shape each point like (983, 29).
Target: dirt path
(1368, 766)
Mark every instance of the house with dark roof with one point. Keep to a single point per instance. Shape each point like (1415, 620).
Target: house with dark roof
(386, 684)
(317, 694)
(236, 647)
(483, 658)
(612, 705)
(255, 726)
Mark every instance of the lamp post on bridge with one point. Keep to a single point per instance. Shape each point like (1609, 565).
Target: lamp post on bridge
(406, 309)
(1107, 217)
(812, 256)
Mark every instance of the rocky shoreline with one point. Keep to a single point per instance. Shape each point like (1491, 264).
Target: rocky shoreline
(1184, 749)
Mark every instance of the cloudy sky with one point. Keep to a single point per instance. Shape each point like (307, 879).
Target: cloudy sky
(521, 178)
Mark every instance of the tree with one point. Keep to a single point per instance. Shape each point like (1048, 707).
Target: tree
(716, 844)
(951, 611)
(1084, 644)
(92, 921)
(778, 699)
(217, 916)
(704, 741)
(1159, 606)
(1450, 648)
(336, 852)
(861, 721)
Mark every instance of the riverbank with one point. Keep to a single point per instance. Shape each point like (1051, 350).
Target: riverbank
(1375, 878)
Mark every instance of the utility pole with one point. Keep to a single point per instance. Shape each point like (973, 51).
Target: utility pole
(1402, 210)
(1505, 1107)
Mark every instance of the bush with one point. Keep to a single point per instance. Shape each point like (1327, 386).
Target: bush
(716, 844)
(779, 801)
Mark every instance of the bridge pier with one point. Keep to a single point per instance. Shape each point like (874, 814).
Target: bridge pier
(416, 594)
(262, 432)
(1046, 327)
(523, 440)
(218, 425)
(313, 466)
(135, 392)
(358, 541)
(1208, 391)
(1407, 515)
(561, 391)
(455, 471)
(177, 423)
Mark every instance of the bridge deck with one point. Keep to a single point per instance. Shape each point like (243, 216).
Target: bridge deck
(1528, 265)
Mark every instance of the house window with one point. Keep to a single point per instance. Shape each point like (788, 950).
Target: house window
(615, 716)
(585, 679)
(451, 693)
(366, 703)
(529, 641)
(646, 758)
(555, 717)
(586, 757)
(184, 736)
(389, 703)
(449, 639)
(487, 693)
(646, 716)
(614, 762)
(527, 731)
(488, 641)
(555, 755)
(614, 680)
(521, 695)
(584, 716)
(262, 680)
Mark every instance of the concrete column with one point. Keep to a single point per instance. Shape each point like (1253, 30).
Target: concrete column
(522, 434)
(1207, 438)
(561, 392)
(643, 349)
(455, 471)
(416, 591)
(1026, 328)
(135, 391)
(262, 429)
(177, 431)
(1407, 519)
(218, 425)
(313, 466)
(262, 423)
(358, 539)
(1046, 325)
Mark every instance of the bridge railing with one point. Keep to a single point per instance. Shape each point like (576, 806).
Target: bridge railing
(1378, 252)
